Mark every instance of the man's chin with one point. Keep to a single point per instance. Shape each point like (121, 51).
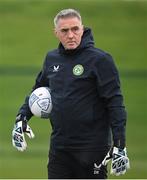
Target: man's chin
(71, 48)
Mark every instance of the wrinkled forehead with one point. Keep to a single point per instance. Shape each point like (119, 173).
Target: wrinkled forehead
(68, 22)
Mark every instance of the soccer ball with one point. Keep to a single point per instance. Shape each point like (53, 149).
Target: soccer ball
(40, 102)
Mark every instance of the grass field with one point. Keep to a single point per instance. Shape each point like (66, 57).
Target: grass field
(26, 34)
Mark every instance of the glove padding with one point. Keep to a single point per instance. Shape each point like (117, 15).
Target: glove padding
(120, 162)
(18, 138)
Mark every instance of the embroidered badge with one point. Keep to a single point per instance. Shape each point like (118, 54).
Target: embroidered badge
(78, 70)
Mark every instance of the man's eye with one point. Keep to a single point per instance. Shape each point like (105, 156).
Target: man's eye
(64, 30)
(74, 29)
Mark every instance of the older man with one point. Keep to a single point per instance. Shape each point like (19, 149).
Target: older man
(88, 111)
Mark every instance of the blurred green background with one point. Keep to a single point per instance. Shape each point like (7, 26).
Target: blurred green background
(26, 34)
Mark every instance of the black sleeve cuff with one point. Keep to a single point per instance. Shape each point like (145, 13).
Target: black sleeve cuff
(119, 143)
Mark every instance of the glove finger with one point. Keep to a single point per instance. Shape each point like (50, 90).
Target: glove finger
(117, 174)
(13, 142)
(29, 132)
(113, 170)
(127, 164)
(24, 145)
(120, 170)
(116, 167)
(19, 146)
(123, 172)
(19, 142)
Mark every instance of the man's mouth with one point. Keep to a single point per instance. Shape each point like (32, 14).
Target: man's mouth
(71, 42)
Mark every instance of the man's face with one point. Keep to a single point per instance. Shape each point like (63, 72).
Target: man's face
(69, 31)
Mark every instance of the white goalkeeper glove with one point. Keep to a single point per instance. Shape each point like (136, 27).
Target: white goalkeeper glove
(120, 162)
(18, 138)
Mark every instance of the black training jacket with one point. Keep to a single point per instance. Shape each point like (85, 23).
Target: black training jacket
(87, 100)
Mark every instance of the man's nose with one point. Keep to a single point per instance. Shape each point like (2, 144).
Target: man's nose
(70, 34)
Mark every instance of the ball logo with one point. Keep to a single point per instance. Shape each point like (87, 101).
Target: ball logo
(78, 70)
(44, 104)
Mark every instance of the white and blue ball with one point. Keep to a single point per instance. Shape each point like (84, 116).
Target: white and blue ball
(40, 102)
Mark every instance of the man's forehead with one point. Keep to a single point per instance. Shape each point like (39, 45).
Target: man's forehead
(69, 22)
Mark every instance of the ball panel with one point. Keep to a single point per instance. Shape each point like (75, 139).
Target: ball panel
(44, 103)
(32, 99)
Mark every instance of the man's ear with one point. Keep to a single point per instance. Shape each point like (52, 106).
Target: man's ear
(55, 32)
(83, 28)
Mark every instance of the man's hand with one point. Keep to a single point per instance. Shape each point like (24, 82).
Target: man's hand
(120, 162)
(18, 138)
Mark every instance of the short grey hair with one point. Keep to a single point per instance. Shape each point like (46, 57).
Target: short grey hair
(65, 13)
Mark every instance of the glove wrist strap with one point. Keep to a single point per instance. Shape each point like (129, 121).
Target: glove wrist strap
(21, 117)
(119, 143)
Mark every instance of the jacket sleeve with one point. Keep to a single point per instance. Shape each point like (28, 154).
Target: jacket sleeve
(108, 85)
(41, 80)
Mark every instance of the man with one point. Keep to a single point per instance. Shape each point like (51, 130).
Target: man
(87, 105)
